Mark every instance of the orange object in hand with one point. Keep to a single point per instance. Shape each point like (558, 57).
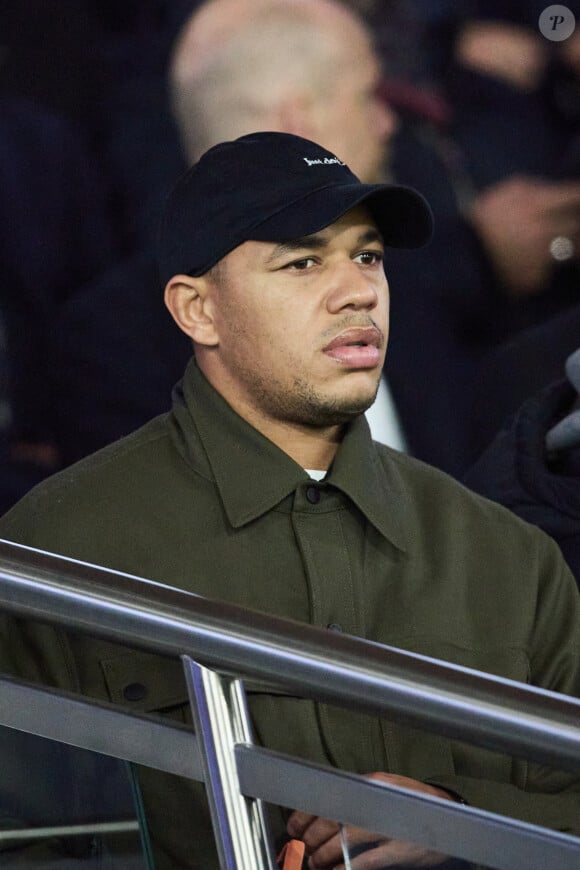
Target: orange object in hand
(292, 855)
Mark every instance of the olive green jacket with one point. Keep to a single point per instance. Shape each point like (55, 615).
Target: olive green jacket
(387, 548)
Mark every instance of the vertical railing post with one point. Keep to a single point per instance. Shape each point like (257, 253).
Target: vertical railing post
(221, 721)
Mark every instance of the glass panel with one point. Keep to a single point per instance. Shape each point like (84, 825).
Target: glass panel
(365, 851)
(63, 808)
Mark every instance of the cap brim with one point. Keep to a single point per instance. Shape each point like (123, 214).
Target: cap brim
(402, 215)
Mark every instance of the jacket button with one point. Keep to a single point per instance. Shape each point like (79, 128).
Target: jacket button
(334, 626)
(135, 692)
(313, 494)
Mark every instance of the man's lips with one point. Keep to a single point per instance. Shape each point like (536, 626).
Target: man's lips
(356, 347)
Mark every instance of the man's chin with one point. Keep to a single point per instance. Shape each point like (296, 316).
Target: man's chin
(336, 412)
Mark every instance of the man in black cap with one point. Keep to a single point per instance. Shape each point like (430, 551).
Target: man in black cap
(263, 487)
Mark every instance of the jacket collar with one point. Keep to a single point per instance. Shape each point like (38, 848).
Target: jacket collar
(253, 475)
(365, 472)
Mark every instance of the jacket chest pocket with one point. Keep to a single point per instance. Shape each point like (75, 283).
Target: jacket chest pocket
(147, 683)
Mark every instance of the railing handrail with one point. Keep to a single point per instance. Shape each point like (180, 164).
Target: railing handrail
(488, 711)
(102, 727)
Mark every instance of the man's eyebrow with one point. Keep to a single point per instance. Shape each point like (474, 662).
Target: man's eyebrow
(316, 241)
(371, 235)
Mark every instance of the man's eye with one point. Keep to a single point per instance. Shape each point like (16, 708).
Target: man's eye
(369, 258)
(301, 265)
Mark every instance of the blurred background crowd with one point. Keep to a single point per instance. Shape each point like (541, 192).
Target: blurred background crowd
(102, 106)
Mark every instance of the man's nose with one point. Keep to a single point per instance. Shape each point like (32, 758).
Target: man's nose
(352, 288)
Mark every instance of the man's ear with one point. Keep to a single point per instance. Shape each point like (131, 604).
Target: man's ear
(189, 302)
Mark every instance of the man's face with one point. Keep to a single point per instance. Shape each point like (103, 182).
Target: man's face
(353, 121)
(301, 327)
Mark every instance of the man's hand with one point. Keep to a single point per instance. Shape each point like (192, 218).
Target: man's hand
(517, 220)
(323, 845)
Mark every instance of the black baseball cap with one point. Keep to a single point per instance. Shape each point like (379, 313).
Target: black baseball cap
(274, 187)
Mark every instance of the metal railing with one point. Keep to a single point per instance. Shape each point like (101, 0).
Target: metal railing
(487, 711)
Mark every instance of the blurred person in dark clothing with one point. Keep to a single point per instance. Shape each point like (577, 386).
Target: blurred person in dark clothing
(533, 464)
(500, 172)
(57, 234)
(494, 148)
(516, 370)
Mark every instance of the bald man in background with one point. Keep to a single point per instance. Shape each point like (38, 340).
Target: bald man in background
(304, 68)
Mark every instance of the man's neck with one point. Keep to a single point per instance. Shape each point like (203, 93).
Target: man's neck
(315, 449)
(309, 446)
